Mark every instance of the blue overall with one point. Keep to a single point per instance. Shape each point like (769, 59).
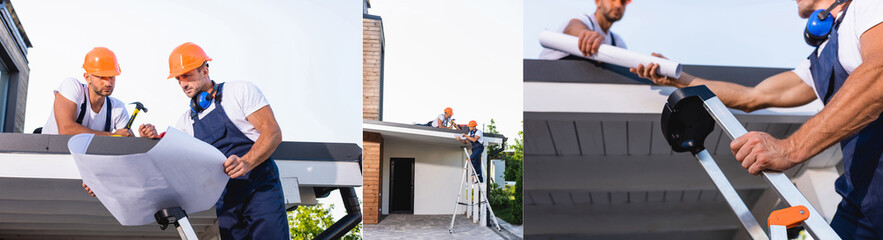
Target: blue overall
(860, 213)
(252, 206)
(475, 158)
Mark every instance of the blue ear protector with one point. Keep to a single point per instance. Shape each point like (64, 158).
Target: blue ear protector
(203, 100)
(819, 25)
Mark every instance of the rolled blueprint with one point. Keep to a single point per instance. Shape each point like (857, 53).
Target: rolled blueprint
(609, 54)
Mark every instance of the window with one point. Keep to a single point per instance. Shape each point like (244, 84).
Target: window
(4, 94)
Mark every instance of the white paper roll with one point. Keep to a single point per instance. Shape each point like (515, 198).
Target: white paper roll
(609, 54)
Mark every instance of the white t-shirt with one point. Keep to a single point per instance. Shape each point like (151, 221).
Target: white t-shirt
(75, 91)
(861, 16)
(445, 121)
(589, 20)
(239, 99)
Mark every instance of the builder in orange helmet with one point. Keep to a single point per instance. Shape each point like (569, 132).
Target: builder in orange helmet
(593, 29)
(88, 108)
(444, 120)
(475, 137)
(252, 205)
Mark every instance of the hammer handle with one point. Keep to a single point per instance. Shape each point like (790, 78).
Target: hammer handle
(131, 120)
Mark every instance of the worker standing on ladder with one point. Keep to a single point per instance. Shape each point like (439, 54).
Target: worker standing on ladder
(235, 118)
(845, 72)
(475, 137)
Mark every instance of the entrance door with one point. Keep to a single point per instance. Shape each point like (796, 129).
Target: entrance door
(401, 177)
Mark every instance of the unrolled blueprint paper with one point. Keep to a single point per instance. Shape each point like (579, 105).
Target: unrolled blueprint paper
(180, 171)
(609, 54)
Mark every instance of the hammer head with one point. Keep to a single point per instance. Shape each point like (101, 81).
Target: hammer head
(139, 106)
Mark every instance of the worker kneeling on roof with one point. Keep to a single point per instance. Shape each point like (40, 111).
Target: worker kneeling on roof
(444, 120)
(475, 137)
(592, 29)
(237, 119)
(88, 108)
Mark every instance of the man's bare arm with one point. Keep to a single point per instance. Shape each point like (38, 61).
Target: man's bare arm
(66, 118)
(858, 102)
(781, 90)
(589, 41)
(271, 135)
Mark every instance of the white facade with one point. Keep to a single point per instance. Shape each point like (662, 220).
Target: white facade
(497, 172)
(438, 166)
(438, 170)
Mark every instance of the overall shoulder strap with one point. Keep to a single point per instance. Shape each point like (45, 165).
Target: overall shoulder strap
(591, 22)
(108, 110)
(218, 93)
(839, 20)
(83, 105)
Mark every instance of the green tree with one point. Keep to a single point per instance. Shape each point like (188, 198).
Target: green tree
(515, 158)
(307, 222)
(492, 129)
(508, 200)
(517, 206)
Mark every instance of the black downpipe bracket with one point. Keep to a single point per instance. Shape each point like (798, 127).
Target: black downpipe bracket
(346, 223)
(685, 121)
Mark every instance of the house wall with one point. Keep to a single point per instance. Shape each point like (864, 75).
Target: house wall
(371, 153)
(372, 68)
(438, 171)
(498, 171)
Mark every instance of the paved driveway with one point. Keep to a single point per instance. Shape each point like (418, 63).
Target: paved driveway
(408, 226)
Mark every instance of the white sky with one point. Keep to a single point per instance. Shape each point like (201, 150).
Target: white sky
(282, 46)
(762, 33)
(306, 56)
(460, 54)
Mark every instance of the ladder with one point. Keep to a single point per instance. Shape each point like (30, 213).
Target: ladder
(688, 117)
(467, 168)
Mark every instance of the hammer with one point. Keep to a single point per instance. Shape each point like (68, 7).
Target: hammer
(138, 107)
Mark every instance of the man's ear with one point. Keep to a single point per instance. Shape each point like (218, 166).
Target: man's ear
(86, 76)
(205, 71)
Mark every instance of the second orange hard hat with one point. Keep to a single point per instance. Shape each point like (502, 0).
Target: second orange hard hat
(101, 61)
(186, 57)
(473, 123)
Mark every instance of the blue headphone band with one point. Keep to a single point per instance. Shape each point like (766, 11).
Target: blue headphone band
(820, 24)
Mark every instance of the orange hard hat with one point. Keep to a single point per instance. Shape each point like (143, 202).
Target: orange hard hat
(100, 61)
(473, 123)
(186, 57)
(449, 111)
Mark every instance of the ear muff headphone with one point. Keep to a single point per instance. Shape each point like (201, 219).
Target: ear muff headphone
(819, 25)
(203, 100)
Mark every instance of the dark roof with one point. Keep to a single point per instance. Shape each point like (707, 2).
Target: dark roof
(287, 150)
(421, 127)
(587, 71)
(18, 25)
